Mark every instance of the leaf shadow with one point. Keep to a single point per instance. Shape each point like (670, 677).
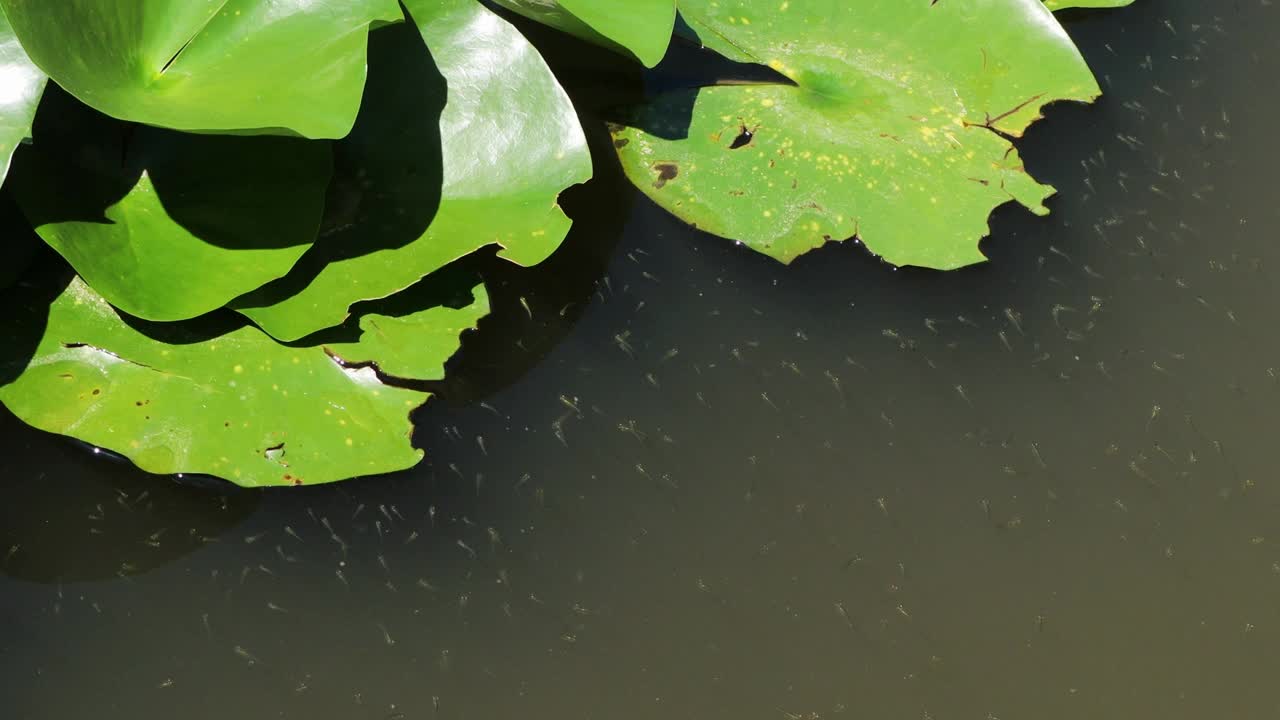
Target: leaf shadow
(73, 146)
(534, 308)
(23, 246)
(449, 286)
(388, 173)
(74, 515)
(27, 303)
(104, 159)
(687, 68)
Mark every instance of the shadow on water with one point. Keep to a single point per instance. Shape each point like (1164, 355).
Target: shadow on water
(533, 309)
(73, 515)
(133, 522)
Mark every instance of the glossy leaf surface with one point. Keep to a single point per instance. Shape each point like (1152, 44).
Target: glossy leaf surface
(491, 166)
(21, 84)
(272, 66)
(896, 129)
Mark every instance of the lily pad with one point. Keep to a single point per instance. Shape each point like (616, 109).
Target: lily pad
(22, 84)
(208, 65)
(409, 346)
(223, 400)
(897, 128)
(641, 28)
(168, 225)
(508, 142)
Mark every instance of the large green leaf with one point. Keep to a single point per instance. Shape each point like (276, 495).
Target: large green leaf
(1056, 5)
(896, 129)
(510, 143)
(228, 401)
(639, 27)
(257, 65)
(410, 346)
(168, 225)
(21, 84)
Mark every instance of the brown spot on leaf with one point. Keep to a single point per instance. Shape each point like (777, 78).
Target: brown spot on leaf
(667, 171)
(620, 143)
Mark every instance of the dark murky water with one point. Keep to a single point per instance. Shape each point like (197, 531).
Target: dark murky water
(1043, 488)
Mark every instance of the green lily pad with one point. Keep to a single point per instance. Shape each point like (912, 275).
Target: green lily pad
(224, 400)
(1056, 5)
(208, 65)
(641, 28)
(168, 225)
(409, 346)
(896, 131)
(504, 147)
(22, 83)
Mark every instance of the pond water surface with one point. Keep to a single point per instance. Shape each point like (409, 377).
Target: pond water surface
(694, 483)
